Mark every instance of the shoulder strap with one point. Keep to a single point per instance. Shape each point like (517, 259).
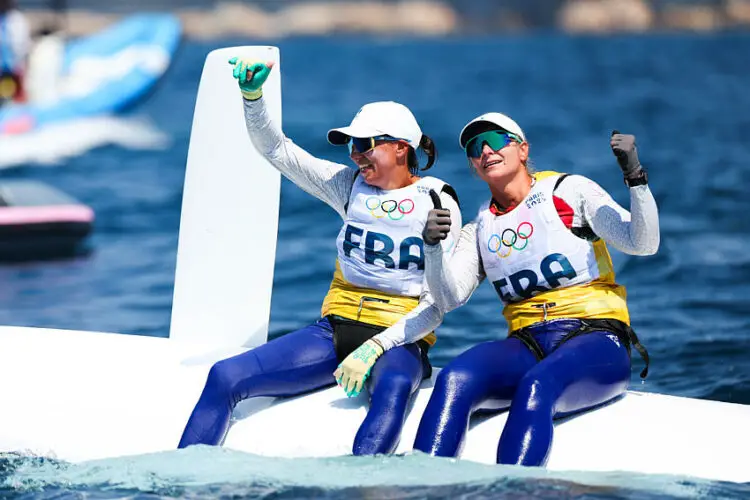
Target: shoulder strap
(448, 189)
(442, 187)
(354, 181)
(559, 181)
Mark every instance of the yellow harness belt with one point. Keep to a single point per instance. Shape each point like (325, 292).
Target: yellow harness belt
(366, 305)
(595, 300)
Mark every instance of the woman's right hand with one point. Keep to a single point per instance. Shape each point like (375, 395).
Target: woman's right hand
(251, 75)
(438, 224)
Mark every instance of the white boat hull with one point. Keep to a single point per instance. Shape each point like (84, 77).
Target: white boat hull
(85, 396)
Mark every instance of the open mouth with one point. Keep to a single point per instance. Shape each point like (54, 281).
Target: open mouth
(492, 163)
(365, 168)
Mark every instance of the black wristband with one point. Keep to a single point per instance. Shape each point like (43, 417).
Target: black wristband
(639, 180)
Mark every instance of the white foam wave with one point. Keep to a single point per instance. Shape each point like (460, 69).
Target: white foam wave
(201, 466)
(52, 144)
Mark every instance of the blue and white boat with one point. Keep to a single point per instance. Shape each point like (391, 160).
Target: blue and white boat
(99, 74)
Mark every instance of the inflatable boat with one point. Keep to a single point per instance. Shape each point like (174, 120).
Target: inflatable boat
(95, 75)
(39, 221)
(90, 395)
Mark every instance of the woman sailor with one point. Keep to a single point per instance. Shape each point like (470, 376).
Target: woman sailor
(361, 340)
(541, 240)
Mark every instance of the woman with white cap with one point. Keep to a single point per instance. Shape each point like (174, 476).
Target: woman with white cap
(361, 340)
(541, 240)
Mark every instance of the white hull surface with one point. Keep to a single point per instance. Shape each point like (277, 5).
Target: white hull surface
(81, 396)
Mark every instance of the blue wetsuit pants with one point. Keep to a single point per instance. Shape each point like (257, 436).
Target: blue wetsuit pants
(299, 362)
(583, 372)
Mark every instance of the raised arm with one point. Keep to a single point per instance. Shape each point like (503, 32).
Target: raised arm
(328, 181)
(635, 232)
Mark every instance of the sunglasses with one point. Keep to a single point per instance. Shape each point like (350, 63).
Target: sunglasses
(495, 139)
(363, 145)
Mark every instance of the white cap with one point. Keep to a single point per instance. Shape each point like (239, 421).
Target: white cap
(380, 118)
(480, 124)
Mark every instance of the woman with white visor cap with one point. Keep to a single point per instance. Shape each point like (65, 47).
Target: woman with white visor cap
(541, 240)
(361, 340)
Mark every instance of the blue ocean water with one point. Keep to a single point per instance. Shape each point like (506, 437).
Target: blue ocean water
(684, 96)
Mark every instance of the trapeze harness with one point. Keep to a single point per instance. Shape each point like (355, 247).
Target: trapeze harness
(380, 266)
(542, 271)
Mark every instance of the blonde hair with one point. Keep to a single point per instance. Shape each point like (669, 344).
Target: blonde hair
(529, 165)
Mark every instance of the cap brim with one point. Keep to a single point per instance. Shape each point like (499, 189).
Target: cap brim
(340, 136)
(476, 128)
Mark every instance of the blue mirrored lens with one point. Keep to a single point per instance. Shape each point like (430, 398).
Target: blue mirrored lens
(495, 139)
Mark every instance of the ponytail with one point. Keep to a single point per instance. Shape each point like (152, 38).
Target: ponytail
(428, 146)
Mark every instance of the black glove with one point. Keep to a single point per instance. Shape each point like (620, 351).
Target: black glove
(438, 224)
(624, 148)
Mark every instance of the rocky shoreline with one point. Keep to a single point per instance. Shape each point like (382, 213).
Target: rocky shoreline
(423, 17)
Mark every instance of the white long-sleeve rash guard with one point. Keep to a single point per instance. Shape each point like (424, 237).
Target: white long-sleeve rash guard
(332, 183)
(637, 233)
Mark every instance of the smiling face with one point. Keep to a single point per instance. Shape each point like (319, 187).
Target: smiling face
(385, 165)
(503, 164)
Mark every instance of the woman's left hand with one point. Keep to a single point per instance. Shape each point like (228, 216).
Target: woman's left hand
(624, 148)
(354, 370)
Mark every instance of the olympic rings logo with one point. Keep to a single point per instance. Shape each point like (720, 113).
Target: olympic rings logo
(395, 210)
(510, 239)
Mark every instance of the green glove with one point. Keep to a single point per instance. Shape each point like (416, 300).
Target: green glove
(352, 373)
(251, 75)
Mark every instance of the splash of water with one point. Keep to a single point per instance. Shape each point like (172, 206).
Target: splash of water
(52, 144)
(201, 469)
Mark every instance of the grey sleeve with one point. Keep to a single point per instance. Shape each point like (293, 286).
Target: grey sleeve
(635, 232)
(415, 324)
(427, 316)
(453, 279)
(328, 181)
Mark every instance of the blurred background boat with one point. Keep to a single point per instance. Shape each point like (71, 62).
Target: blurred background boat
(74, 87)
(100, 74)
(38, 221)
